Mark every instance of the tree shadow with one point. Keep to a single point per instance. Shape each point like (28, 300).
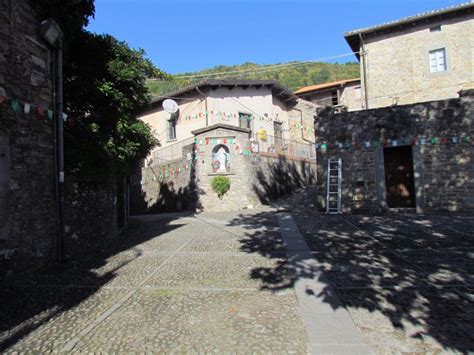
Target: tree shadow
(281, 177)
(168, 197)
(35, 298)
(414, 272)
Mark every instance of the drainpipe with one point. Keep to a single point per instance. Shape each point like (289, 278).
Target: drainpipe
(205, 104)
(60, 141)
(364, 70)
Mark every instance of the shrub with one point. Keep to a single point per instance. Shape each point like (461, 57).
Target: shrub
(220, 185)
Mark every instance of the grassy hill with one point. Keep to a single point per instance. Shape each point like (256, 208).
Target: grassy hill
(293, 76)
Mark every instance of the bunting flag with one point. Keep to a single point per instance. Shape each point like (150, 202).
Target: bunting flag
(15, 105)
(395, 142)
(18, 106)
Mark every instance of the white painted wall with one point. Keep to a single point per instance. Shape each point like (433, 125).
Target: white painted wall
(257, 101)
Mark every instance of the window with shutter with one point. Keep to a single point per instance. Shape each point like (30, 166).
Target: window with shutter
(438, 60)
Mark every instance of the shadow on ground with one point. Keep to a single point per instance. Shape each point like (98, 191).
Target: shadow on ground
(416, 273)
(34, 298)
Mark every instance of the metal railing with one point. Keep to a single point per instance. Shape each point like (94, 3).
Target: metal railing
(171, 152)
(270, 144)
(285, 147)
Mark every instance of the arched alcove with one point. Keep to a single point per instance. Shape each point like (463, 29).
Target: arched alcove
(221, 159)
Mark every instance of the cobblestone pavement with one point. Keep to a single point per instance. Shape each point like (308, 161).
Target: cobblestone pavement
(220, 282)
(407, 280)
(190, 284)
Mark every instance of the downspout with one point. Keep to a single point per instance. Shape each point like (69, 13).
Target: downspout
(364, 71)
(205, 104)
(60, 148)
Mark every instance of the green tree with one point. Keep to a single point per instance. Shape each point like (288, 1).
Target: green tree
(105, 89)
(321, 76)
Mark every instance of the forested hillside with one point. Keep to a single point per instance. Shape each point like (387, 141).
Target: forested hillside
(293, 75)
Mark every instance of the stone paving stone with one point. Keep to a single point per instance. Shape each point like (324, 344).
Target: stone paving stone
(216, 271)
(41, 320)
(405, 279)
(221, 242)
(164, 321)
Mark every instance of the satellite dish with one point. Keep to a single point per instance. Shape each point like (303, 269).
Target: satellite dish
(170, 106)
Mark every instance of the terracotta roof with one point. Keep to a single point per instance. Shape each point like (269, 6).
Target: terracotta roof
(352, 37)
(318, 87)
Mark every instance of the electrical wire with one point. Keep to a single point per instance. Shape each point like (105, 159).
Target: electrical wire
(257, 70)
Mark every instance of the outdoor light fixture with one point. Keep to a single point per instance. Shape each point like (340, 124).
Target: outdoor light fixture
(52, 34)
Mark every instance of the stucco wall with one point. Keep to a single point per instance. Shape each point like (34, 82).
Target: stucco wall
(398, 63)
(444, 173)
(223, 106)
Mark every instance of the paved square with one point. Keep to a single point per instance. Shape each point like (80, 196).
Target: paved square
(228, 282)
(407, 280)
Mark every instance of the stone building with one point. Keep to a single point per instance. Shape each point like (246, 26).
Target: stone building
(28, 226)
(255, 132)
(421, 58)
(416, 156)
(341, 95)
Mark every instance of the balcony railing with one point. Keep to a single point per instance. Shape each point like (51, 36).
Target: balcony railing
(270, 144)
(170, 153)
(287, 147)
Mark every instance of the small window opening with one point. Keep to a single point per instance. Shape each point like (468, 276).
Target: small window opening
(334, 98)
(244, 120)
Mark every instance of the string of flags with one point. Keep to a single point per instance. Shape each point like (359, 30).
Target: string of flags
(18, 106)
(225, 116)
(395, 142)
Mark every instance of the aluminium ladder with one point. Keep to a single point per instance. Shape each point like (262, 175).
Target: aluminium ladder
(333, 200)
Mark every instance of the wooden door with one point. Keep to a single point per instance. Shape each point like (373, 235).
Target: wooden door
(399, 177)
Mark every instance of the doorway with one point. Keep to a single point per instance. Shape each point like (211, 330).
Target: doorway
(399, 177)
(278, 132)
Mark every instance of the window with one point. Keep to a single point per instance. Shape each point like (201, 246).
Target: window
(244, 120)
(172, 129)
(334, 98)
(438, 60)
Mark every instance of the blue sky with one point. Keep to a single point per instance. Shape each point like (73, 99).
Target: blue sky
(189, 35)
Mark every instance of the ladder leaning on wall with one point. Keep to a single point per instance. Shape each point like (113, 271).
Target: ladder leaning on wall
(334, 185)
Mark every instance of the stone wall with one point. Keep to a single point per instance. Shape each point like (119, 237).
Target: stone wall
(275, 175)
(255, 177)
(441, 136)
(398, 65)
(90, 216)
(28, 207)
(165, 187)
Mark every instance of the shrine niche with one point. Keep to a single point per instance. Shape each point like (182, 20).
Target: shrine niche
(220, 159)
